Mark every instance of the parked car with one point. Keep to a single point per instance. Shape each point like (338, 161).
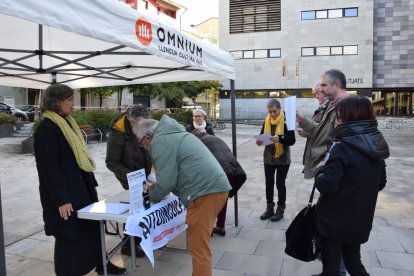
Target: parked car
(7, 109)
(30, 111)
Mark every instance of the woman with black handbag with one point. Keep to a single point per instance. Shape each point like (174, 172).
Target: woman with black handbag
(349, 183)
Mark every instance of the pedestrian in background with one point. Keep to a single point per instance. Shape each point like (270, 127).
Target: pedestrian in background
(349, 183)
(317, 115)
(67, 184)
(276, 159)
(235, 173)
(333, 85)
(199, 122)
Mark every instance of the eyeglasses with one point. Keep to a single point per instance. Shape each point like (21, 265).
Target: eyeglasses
(198, 116)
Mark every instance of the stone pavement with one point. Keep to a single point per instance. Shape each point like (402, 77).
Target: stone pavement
(255, 247)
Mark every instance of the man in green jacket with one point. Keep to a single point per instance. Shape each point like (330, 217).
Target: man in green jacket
(185, 167)
(124, 154)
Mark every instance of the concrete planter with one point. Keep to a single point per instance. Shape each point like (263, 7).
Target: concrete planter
(6, 131)
(28, 145)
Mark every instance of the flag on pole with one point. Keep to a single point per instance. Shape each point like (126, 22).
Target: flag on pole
(297, 68)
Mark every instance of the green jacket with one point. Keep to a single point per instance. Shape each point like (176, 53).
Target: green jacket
(123, 151)
(183, 164)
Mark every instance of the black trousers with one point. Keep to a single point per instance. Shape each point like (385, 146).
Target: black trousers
(331, 258)
(281, 174)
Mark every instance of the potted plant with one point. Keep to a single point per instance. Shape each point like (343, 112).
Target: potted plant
(6, 125)
(99, 118)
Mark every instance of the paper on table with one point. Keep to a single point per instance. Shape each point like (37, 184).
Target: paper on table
(103, 207)
(290, 112)
(266, 138)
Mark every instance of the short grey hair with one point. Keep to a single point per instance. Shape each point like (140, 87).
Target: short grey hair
(53, 94)
(137, 112)
(274, 103)
(145, 127)
(336, 76)
(316, 87)
(199, 111)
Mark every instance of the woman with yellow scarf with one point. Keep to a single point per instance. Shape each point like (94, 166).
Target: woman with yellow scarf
(276, 159)
(67, 184)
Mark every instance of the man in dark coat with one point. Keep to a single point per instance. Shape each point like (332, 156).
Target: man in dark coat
(231, 167)
(124, 154)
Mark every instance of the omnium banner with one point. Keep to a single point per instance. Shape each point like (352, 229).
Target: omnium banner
(115, 22)
(158, 225)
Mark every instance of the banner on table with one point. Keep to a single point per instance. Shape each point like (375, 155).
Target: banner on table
(157, 225)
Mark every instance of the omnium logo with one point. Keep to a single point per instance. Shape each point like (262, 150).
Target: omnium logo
(143, 31)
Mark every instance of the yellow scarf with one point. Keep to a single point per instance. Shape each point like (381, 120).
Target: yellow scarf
(280, 130)
(75, 139)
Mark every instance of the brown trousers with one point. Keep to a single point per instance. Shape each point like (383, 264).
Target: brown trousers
(201, 215)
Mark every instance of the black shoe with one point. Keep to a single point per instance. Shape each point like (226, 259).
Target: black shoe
(280, 210)
(267, 214)
(126, 250)
(111, 269)
(219, 231)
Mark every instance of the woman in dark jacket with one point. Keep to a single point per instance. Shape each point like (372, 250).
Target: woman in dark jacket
(276, 159)
(231, 167)
(349, 184)
(67, 184)
(199, 122)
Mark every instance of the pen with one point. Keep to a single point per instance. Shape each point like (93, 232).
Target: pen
(125, 202)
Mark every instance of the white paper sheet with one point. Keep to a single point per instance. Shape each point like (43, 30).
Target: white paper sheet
(265, 138)
(135, 182)
(105, 207)
(290, 112)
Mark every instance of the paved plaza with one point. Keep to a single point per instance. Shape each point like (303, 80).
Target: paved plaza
(255, 247)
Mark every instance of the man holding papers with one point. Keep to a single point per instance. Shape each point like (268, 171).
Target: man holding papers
(185, 167)
(276, 138)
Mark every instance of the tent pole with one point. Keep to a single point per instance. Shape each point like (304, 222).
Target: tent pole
(234, 141)
(2, 255)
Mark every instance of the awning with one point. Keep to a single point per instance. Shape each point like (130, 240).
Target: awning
(98, 43)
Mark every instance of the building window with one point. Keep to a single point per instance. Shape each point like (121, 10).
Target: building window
(308, 51)
(323, 51)
(329, 13)
(255, 16)
(329, 51)
(336, 51)
(262, 53)
(237, 54)
(248, 54)
(350, 50)
(335, 13)
(308, 15)
(274, 53)
(322, 14)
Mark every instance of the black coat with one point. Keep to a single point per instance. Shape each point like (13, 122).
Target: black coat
(227, 160)
(61, 181)
(350, 181)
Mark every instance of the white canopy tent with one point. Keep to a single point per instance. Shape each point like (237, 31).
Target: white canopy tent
(98, 43)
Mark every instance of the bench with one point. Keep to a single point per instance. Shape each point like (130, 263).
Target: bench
(90, 133)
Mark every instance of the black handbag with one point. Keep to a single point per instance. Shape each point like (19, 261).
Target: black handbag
(302, 241)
